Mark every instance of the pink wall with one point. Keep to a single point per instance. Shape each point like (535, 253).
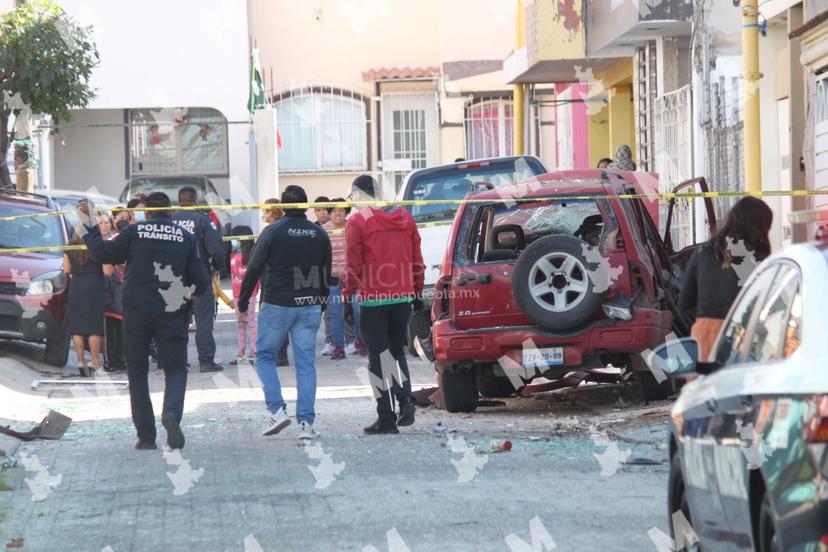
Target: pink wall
(580, 125)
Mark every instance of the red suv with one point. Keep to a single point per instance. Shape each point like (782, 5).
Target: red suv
(532, 286)
(33, 289)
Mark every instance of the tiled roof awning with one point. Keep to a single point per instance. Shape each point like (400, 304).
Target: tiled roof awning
(400, 73)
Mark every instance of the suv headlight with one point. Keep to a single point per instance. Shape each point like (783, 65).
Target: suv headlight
(47, 283)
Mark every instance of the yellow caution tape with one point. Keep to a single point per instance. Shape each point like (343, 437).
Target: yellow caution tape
(665, 196)
(668, 196)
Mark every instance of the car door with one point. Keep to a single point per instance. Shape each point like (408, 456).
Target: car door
(481, 287)
(677, 260)
(743, 415)
(702, 428)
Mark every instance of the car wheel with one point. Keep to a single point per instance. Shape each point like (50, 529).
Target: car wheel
(57, 351)
(493, 386)
(554, 284)
(677, 500)
(651, 390)
(458, 390)
(768, 536)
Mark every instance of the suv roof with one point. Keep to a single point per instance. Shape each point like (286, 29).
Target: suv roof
(469, 163)
(36, 202)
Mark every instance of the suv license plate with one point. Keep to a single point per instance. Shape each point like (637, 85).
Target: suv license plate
(552, 356)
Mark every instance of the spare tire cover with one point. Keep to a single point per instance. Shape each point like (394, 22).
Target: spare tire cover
(554, 283)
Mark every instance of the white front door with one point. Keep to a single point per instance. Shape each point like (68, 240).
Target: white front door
(410, 136)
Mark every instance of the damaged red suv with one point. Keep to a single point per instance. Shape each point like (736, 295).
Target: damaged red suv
(554, 275)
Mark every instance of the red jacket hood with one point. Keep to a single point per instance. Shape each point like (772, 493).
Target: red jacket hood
(377, 219)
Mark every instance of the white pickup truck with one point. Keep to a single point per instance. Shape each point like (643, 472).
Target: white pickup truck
(453, 181)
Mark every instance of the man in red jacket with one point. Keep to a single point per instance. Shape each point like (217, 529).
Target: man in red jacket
(384, 265)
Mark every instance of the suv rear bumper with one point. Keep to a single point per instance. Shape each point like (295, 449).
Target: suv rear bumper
(645, 330)
(13, 325)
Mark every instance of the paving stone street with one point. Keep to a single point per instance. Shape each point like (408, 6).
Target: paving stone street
(434, 486)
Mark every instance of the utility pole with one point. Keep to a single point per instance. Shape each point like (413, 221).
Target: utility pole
(750, 91)
(517, 109)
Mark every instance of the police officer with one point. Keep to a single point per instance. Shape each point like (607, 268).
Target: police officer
(211, 249)
(163, 269)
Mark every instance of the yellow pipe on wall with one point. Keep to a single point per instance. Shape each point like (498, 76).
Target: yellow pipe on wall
(518, 107)
(750, 92)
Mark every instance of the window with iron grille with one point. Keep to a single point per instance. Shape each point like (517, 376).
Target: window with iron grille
(322, 130)
(178, 141)
(489, 128)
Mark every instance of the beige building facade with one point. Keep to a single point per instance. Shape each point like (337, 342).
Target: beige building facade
(383, 87)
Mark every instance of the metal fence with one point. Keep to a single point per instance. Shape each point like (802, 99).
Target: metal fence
(673, 158)
(724, 130)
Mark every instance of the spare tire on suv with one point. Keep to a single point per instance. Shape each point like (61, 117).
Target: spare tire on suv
(552, 283)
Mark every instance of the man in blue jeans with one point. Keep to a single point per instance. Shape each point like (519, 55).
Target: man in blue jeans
(296, 255)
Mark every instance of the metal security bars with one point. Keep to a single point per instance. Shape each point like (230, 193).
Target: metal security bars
(723, 129)
(673, 158)
(177, 141)
(489, 128)
(323, 130)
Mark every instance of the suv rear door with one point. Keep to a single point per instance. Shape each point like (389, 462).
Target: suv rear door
(490, 240)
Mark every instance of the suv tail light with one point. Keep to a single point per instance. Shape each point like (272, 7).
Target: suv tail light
(441, 297)
(818, 426)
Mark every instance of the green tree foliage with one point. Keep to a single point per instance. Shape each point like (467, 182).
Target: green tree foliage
(46, 61)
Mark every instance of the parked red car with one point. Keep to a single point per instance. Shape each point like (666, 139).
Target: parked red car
(33, 289)
(544, 287)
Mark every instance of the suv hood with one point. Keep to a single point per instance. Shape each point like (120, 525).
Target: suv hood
(17, 266)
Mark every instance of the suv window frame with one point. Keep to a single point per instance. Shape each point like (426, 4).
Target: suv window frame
(469, 227)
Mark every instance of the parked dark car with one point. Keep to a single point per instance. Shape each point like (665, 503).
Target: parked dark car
(67, 201)
(550, 286)
(749, 435)
(33, 289)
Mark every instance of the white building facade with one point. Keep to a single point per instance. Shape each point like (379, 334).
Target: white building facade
(171, 98)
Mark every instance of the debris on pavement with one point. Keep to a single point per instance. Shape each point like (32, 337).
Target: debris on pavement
(427, 396)
(52, 427)
(642, 461)
(499, 445)
(120, 385)
(440, 428)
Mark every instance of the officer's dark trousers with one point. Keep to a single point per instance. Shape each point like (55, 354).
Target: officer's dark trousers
(385, 328)
(170, 332)
(204, 311)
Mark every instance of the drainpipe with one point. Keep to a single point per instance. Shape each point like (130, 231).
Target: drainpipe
(519, 100)
(751, 77)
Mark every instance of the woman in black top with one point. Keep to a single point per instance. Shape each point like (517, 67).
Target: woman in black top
(85, 315)
(711, 283)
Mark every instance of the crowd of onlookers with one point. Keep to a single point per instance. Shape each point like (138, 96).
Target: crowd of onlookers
(94, 318)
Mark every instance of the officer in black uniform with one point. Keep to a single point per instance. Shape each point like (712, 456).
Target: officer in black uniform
(211, 249)
(163, 270)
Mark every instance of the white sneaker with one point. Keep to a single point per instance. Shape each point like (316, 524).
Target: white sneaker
(307, 432)
(350, 348)
(276, 422)
(327, 350)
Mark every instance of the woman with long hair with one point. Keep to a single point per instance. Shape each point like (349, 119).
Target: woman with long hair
(85, 315)
(711, 284)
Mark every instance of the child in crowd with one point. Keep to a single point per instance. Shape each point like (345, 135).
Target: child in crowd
(242, 250)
